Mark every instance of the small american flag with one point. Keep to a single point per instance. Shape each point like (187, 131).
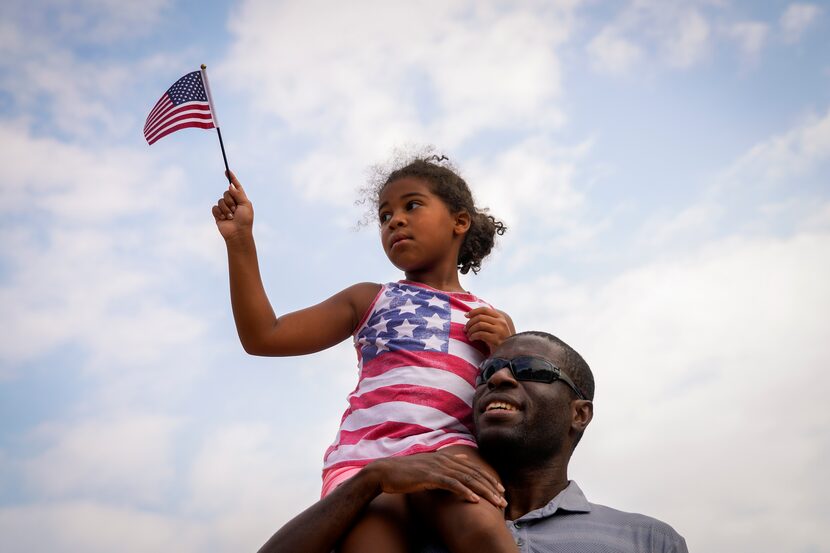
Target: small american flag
(185, 104)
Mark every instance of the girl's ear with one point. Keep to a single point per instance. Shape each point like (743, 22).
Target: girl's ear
(462, 222)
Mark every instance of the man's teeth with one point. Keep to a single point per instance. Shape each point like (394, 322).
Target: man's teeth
(500, 405)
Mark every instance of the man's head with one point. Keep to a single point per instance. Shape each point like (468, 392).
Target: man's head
(527, 423)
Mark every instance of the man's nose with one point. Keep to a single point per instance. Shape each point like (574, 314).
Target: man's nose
(502, 377)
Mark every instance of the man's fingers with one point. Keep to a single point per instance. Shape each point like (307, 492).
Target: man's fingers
(475, 483)
(480, 481)
(476, 469)
(453, 485)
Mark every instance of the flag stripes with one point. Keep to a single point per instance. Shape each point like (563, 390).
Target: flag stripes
(184, 105)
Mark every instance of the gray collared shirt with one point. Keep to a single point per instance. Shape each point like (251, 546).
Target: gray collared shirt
(570, 524)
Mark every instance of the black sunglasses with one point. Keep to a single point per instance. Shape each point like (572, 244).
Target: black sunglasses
(529, 369)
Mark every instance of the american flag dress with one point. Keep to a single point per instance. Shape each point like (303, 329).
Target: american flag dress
(417, 373)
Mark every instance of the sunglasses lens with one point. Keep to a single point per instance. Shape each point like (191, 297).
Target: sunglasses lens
(489, 368)
(533, 370)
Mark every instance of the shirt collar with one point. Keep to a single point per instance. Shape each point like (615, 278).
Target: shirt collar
(571, 500)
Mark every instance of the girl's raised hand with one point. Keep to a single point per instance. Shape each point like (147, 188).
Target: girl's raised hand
(233, 213)
(489, 326)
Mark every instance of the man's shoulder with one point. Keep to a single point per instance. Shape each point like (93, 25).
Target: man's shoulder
(661, 534)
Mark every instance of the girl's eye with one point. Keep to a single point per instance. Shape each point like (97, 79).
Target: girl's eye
(384, 217)
(412, 204)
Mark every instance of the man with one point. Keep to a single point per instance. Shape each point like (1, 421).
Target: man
(533, 402)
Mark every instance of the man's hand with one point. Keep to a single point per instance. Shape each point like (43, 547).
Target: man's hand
(233, 213)
(436, 471)
(489, 326)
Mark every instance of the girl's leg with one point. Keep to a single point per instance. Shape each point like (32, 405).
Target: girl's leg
(383, 527)
(462, 526)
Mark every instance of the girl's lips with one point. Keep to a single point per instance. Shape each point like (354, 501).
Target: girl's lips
(398, 239)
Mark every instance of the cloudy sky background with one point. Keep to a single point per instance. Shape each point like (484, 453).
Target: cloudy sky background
(663, 166)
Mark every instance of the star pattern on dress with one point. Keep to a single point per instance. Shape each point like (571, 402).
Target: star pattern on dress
(409, 307)
(380, 326)
(413, 319)
(435, 321)
(434, 302)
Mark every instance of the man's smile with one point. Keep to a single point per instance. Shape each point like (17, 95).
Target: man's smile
(500, 405)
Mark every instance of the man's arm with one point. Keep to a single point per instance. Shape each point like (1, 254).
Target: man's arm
(319, 528)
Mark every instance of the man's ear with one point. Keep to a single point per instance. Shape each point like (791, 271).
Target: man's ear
(582, 412)
(462, 222)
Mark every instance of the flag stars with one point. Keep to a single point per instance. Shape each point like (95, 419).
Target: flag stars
(435, 321)
(408, 307)
(406, 329)
(435, 302)
(381, 326)
(433, 342)
(380, 344)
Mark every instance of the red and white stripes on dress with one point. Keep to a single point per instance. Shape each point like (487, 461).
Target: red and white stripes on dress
(417, 374)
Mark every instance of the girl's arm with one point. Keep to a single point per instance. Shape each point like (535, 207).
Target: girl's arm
(260, 330)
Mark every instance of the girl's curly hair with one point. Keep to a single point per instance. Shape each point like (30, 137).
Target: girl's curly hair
(450, 187)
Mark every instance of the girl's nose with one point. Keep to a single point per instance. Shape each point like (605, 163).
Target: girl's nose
(396, 220)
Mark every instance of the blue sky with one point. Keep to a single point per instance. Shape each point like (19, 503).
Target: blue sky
(663, 168)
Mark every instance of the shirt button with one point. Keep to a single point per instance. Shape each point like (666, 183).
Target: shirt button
(517, 524)
(520, 542)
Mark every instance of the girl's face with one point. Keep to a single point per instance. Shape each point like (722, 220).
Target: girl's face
(417, 230)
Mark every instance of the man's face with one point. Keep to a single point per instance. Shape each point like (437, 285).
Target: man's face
(523, 421)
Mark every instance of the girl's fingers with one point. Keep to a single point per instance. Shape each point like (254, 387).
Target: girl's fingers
(229, 200)
(482, 326)
(224, 208)
(217, 213)
(488, 319)
(235, 185)
(236, 191)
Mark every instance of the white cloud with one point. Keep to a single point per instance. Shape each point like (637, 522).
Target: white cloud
(74, 271)
(78, 184)
(688, 43)
(532, 178)
(360, 86)
(780, 159)
(47, 77)
(244, 479)
(797, 18)
(674, 33)
(710, 370)
(87, 21)
(97, 527)
(128, 457)
(750, 36)
(611, 53)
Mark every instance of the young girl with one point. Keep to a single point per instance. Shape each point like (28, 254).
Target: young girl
(419, 343)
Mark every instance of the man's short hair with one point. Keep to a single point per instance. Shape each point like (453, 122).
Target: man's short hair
(575, 365)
